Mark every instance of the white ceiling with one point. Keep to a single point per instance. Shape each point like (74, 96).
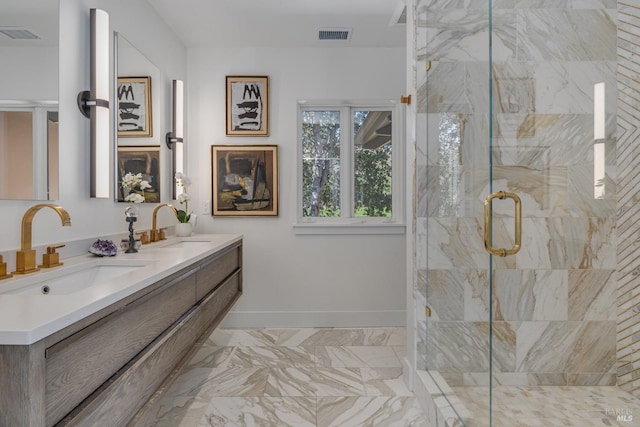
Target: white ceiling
(282, 23)
(38, 16)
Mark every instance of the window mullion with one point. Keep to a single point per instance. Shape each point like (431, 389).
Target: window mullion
(346, 161)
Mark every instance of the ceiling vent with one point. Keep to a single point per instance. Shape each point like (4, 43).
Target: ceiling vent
(19, 33)
(334, 34)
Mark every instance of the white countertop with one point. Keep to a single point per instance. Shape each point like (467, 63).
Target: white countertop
(28, 318)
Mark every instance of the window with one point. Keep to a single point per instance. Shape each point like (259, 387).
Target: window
(349, 165)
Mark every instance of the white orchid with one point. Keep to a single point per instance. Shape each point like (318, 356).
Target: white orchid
(132, 181)
(183, 198)
(134, 198)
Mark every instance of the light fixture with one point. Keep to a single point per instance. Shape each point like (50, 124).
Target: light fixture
(175, 138)
(94, 104)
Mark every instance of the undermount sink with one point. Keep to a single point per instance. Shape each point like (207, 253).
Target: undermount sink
(80, 278)
(187, 244)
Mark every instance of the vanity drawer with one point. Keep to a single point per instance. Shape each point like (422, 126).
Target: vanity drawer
(216, 305)
(213, 272)
(79, 364)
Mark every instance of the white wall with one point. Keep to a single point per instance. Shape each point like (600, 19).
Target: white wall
(289, 280)
(292, 280)
(91, 217)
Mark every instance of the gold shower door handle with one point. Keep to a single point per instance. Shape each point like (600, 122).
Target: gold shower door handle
(487, 223)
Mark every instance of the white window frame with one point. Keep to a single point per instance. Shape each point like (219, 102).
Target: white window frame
(348, 224)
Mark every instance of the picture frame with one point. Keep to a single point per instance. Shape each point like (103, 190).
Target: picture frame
(134, 160)
(134, 110)
(247, 105)
(244, 180)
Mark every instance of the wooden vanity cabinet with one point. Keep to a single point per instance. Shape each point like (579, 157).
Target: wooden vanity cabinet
(103, 369)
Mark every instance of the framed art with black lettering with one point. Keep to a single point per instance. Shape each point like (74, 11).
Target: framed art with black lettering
(247, 106)
(134, 107)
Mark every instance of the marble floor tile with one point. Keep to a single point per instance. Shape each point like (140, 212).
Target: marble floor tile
(348, 377)
(260, 411)
(370, 411)
(314, 381)
(549, 406)
(272, 357)
(357, 357)
(384, 382)
(341, 337)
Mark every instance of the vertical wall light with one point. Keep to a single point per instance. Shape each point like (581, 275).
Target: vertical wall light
(175, 138)
(599, 154)
(94, 104)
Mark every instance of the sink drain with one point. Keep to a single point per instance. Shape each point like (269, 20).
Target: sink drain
(45, 289)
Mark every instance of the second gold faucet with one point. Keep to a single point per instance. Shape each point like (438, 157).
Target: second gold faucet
(157, 235)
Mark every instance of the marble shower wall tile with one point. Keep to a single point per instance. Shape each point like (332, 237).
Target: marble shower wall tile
(572, 343)
(447, 293)
(582, 202)
(576, 35)
(445, 88)
(456, 243)
(589, 242)
(566, 243)
(543, 192)
(542, 140)
(558, 304)
(531, 295)
(459, 347)
(567, 87)
(592, 295)
(463, 34)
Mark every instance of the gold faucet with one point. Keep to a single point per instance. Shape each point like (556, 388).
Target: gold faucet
(156, 234)
(26, 257)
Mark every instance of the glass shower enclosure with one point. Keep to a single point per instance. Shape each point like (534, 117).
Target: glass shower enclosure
(518, 100)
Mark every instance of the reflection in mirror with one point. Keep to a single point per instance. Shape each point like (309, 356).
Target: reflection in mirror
(29, 99)
(130, 62)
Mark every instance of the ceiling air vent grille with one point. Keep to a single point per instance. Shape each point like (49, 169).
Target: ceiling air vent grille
(18, 33)
(334, 34)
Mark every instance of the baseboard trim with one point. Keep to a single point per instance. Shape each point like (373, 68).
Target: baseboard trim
(314, 319)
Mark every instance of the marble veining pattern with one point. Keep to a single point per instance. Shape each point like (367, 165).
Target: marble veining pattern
(289, 377)
(556, 297)
(628, 209)
(547, 406)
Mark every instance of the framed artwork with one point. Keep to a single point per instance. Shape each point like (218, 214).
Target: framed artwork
(244, 180)
(247, 106)
(139, 174)
(134, 107)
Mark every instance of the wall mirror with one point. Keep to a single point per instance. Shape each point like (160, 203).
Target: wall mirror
(139, 141)
(29, 39)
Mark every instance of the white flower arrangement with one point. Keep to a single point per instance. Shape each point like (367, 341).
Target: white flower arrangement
(132, 181)
(183, 198)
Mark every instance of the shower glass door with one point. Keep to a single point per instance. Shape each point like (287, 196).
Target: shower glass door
(520, 103)
(552, 143)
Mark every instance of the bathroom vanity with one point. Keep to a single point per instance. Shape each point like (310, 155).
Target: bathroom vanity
(92, 353)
